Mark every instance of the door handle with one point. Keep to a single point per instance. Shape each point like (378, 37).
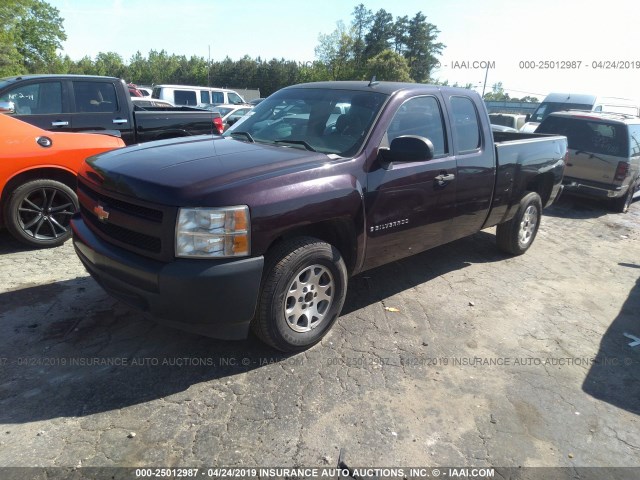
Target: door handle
(444, 178)
(59, 124)
(118, 121)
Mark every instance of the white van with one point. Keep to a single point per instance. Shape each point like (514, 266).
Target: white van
(192, 96)
(555, 102)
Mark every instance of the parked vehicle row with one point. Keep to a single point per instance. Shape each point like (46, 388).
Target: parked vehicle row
(262, 227)
(78, 103)
(194, 96)
(511, 120)
(230, 114)
(555, 102)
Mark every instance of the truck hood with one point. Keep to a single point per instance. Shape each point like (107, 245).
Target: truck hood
(183, 171)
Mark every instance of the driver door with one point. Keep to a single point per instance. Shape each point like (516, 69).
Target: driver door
(410, 206)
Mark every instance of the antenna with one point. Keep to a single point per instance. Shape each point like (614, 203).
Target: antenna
(209, 68)
(373, 82)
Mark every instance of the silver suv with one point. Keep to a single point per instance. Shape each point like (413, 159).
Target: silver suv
(604, 154)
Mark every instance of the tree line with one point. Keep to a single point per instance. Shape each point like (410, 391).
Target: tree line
(404, 49)
(374, 43)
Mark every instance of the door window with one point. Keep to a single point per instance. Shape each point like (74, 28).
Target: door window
(234, 98)
(420, 116)
(36, 98)
(185, 97)
(95, 97)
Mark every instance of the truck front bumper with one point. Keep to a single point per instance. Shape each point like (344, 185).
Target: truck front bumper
(216, 298)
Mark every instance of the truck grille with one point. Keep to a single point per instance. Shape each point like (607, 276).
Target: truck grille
(128, 223)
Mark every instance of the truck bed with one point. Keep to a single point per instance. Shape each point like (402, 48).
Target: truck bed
(533, 154)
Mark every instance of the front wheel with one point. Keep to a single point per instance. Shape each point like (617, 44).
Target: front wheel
(517, 235)
(38, 213)
(303, 290)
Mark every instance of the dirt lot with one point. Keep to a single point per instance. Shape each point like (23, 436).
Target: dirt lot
(459, 356)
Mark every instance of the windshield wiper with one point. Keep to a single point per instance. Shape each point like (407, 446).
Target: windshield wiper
(247, 135)
(296, 142)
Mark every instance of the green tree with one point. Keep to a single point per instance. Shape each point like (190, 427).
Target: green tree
(37, 30)
(110, 64)
(400, 34)
(335, 50)
(390, 66)
(362, 19)
(380, 34)
(9, 55)
(497, 93)
(422, 47)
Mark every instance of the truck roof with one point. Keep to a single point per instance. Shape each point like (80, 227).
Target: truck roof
(16, 78)
(587, 115)
(387, 88)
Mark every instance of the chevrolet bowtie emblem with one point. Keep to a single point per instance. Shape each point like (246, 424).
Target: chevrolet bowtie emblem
(101, 213)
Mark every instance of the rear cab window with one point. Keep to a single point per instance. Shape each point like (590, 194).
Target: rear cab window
(466, 127)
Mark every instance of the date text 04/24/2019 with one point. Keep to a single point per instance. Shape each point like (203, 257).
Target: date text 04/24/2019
(579, 64)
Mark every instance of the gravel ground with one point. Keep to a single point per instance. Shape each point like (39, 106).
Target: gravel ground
(458, 356)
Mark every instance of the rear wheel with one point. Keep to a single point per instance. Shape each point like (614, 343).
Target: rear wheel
(622, 204)
(517, 235)
(38, 213)
(303, 291)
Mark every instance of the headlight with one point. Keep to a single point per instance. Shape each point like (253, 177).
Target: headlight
(213, 232)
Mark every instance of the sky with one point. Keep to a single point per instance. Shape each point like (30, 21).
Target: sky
(578, 40)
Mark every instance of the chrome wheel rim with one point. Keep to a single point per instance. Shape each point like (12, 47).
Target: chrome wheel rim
(528, 225)
(44, 214)
(309, 298)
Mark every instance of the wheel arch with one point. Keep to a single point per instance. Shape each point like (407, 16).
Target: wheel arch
(542, 184)
(60, 174)
(340, 233)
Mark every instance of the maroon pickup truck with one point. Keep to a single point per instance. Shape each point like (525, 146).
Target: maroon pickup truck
(261, 228)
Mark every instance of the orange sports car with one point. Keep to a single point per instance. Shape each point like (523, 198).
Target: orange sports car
(38, 178)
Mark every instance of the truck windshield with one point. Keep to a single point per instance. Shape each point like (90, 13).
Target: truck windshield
(545, 108)
(325, 120)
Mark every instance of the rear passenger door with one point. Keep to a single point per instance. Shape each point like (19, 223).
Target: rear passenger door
(410, 205)
(98, 107)
(475, 157)
(41, 102)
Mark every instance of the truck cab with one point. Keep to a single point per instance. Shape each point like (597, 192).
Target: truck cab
(71, 103)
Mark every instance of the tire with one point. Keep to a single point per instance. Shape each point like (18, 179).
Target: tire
(303, 290)
(622, 204)
(517, 235)
(38, 213)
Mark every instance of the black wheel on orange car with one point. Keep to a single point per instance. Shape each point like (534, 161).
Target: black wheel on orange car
(38, 213)
(517, 235)
(303, 290)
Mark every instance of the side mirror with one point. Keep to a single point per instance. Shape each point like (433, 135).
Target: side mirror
(408, 148)
(527, 118)
(7, 107)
